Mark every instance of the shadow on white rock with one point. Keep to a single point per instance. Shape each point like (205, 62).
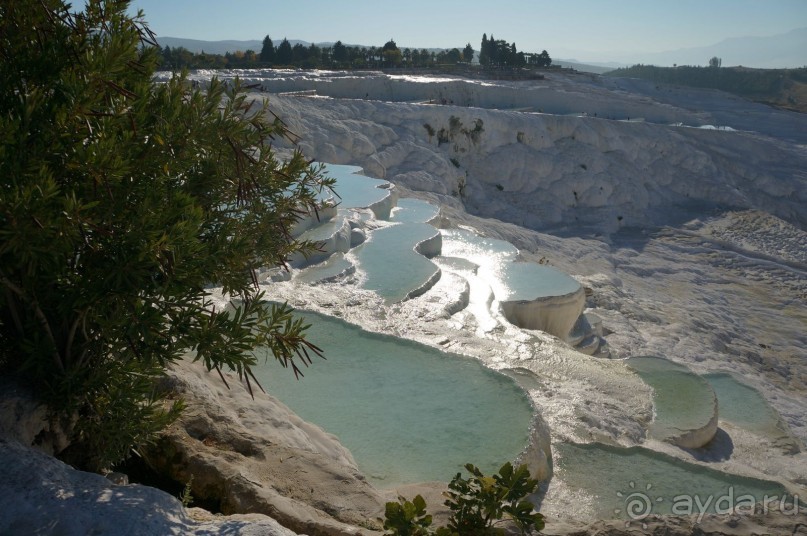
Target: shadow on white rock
(42, 495)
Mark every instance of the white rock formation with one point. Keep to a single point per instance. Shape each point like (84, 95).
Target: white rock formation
(256, 456)
(553, 314)
(340, 241)
(695, 439)
(691, 239)
(558, 171)
(42, 495)
(431, 247)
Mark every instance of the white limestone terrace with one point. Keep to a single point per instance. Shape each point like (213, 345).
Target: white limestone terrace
(686, 407)
(540, 297)
(528, 294)
(554, 172)
(691, 240)
(558, 94)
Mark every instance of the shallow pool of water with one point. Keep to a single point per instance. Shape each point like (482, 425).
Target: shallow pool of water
(354, 191)
(528, 281)
(744, 406)
(488, 252)
(623, 478)
(682, 400)
(408, 413)
(413, 211)
(508, 279)
(390, 263)
(332, 267)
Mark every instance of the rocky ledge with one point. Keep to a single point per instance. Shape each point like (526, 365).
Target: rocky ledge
(257, 456)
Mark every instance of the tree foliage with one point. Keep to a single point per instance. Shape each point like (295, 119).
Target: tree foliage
(267, 50)
(284, 53)
(407, 518)
(477, 504)
(468, 53)
(121, 202)
(499, 53)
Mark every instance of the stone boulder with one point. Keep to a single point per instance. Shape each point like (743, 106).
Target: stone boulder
(26, 420)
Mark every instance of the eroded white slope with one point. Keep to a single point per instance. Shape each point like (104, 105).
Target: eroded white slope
(555, 172)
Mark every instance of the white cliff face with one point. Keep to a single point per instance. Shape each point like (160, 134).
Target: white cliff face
(555, 172)
(555, 315)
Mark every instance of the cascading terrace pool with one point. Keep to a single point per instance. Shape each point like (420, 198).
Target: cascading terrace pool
(408, 412)
(390, 263)
(744, 407)
(411, 413)
(628, 483)
(686, 407)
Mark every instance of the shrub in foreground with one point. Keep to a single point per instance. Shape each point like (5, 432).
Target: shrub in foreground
(477, 505)
(121, 201)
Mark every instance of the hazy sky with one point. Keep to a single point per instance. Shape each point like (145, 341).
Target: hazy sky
(594, 30)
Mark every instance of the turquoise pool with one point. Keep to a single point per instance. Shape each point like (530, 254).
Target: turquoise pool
(529, 281)
(410, 210)
(744, 406)
(390, 263)
(408, 413)
(619, 478)
(354, 191)
(682, 400)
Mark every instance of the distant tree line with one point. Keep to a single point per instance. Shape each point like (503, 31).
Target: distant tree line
(499, 53)
(340, 56)
(337, 56)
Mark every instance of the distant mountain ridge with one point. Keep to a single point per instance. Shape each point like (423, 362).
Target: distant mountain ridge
(211, 47)
(788, 50)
